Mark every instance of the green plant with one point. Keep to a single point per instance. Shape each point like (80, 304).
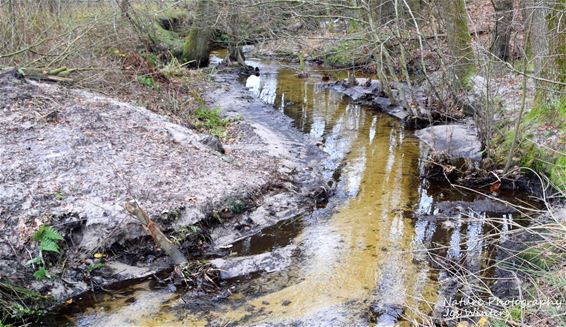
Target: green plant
(59, 196)
(46, 237)
(19, 304)
(148, 81)
(542, 257)
(182, 233)
(173, 68)
(235, 205)
(151, 58)
(95, 266)
(211, 120)
(539, 142)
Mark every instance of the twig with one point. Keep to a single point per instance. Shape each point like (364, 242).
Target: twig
(160, 239)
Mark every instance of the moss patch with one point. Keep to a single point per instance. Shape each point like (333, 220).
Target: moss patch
(541, 144)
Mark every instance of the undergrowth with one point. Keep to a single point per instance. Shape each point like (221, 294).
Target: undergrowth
(541, 143)
(211, 121)
(20, 305)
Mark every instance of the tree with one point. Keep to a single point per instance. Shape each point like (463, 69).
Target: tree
(502, 34)
(459, 43)
(536, 45)
(554, 65)
(196, 49)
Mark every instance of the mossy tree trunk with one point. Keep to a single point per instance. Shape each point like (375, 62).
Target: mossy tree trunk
(554, 64)
(462, 65)
(534, 20)
(502, 34)
(196, 49)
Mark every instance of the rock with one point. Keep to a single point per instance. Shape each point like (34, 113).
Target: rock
(456, 141)
(268, 262)
(296, 26)
(362, 92)
(397, 112)
(124, 271)
(213, 142)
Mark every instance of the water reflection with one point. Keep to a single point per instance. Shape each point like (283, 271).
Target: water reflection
(369, 249)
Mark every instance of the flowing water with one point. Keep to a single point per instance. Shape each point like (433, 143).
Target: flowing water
(365, 249)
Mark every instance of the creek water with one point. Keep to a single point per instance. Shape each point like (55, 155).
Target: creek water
(366, 249)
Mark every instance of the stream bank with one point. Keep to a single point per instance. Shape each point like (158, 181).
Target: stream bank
(71, 158)
(364, 258)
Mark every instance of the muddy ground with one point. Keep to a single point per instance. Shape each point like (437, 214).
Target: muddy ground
(71, 158)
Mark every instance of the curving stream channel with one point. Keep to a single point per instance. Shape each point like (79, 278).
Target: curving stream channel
(359, 261)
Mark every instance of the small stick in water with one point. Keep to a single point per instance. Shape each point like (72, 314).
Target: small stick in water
(159, 238)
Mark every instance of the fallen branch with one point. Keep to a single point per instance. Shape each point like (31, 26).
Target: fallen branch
(159, 238)
(55, 75)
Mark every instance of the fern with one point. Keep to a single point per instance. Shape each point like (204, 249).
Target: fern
(41, 274)
(47, 238)
(48, 245)
(47, 232)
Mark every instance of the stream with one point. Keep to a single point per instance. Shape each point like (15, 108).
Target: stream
(361, 260)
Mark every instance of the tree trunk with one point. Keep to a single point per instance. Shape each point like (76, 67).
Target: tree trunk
(502, 35)
(462, 66)
(534, 20)
(196, 50)
(554, 64)
(235, 53)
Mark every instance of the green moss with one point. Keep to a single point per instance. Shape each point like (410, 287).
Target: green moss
(211, 121)
(235, 205)
(460, 43)
(167, 39)
(196, 47)
(543, 122)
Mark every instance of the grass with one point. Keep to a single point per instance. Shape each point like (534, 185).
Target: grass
(211, 120)
(20, 305)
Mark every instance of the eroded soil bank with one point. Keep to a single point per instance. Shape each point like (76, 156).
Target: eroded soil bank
(70, 159)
